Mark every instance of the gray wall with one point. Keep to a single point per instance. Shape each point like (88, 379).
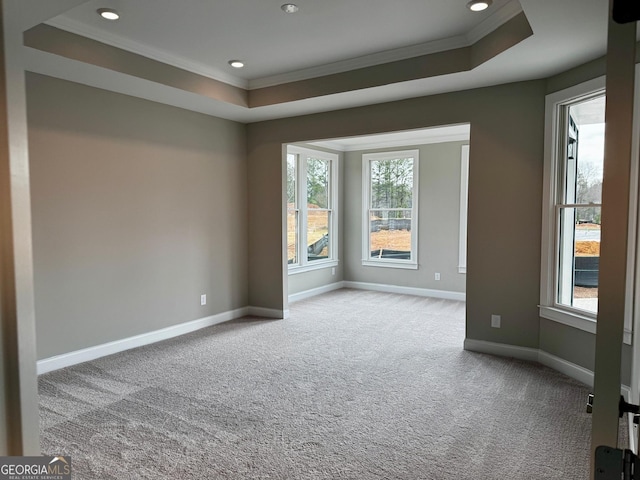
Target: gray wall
(439, 221)
(138, 209)
(125, 239)
(505, 187)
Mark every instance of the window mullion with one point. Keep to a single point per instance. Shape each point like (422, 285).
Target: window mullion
(302, 205)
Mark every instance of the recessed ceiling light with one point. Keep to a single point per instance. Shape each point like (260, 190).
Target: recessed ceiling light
(289, 8)
(236, 63)
(479, 5)
(108, 13)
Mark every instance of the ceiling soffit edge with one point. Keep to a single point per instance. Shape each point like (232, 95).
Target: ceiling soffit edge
(499, 18)
(458, 60)
(59, 42)
(83, 30)
(491, 23)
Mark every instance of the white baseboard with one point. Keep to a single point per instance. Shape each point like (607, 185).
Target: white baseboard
(420, 292)
(92, 353)
(296, 297)
(266, 312)
(570, 369)
(501, 349)
(561, 365)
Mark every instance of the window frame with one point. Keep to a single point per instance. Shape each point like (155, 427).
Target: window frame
(303, 264)
(464, 204)
(550, 250)
(367, 158)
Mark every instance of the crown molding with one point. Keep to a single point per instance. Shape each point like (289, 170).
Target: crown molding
(117, 41)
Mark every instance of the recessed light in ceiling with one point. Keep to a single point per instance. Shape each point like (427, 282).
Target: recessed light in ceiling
(236, 63)
(108, 13)
(479, 5)
(289, 8)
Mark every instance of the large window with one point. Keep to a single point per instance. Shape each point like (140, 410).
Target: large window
(578, 203)
(573, 197)
(390, 199)
(311, 215)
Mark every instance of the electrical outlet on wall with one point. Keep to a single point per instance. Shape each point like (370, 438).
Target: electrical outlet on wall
(437, 276)
(495, 321)
(203, 299)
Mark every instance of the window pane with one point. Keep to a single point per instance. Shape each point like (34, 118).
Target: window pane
(317, 182)
(317, 234)
(291, 181)
(579, 257)
(390, 234)
(292, 236)
(292, 213)
(585, 152)
(392, 183)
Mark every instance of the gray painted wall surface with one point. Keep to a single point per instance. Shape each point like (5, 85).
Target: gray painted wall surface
(138, 209)
(505, 187)
(439, 221)
(161, 213)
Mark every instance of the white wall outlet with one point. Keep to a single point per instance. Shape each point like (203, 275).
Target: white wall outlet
(333, 270)
(437, 276)
(495, 321)
(203, 299)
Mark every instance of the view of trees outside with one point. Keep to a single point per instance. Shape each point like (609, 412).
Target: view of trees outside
(390, 205)
(318, 174)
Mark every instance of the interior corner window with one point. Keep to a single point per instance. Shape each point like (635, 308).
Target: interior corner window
(578, 202)
(311, 201)
(390, 189)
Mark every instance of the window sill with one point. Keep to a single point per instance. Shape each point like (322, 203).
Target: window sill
(575, 319)
(318, 265)
(390, 264)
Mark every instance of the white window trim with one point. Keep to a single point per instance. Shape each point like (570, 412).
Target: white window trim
(464, 203)
(303, 264)
(549, 309)
(411, 264)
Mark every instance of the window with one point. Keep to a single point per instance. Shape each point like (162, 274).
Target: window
(573, 196)
(464, 201)
(311, 215)
(578, 203)
(390, 200)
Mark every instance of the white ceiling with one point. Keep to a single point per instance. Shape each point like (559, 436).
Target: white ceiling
(325, 36)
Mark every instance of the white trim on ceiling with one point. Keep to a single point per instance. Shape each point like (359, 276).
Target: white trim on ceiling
(78, 28)
(444, 134)
(491, 23)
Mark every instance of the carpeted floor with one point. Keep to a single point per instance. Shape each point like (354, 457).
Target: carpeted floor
(355, 385)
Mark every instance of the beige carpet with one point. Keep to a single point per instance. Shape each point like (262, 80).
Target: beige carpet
(355, 385)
